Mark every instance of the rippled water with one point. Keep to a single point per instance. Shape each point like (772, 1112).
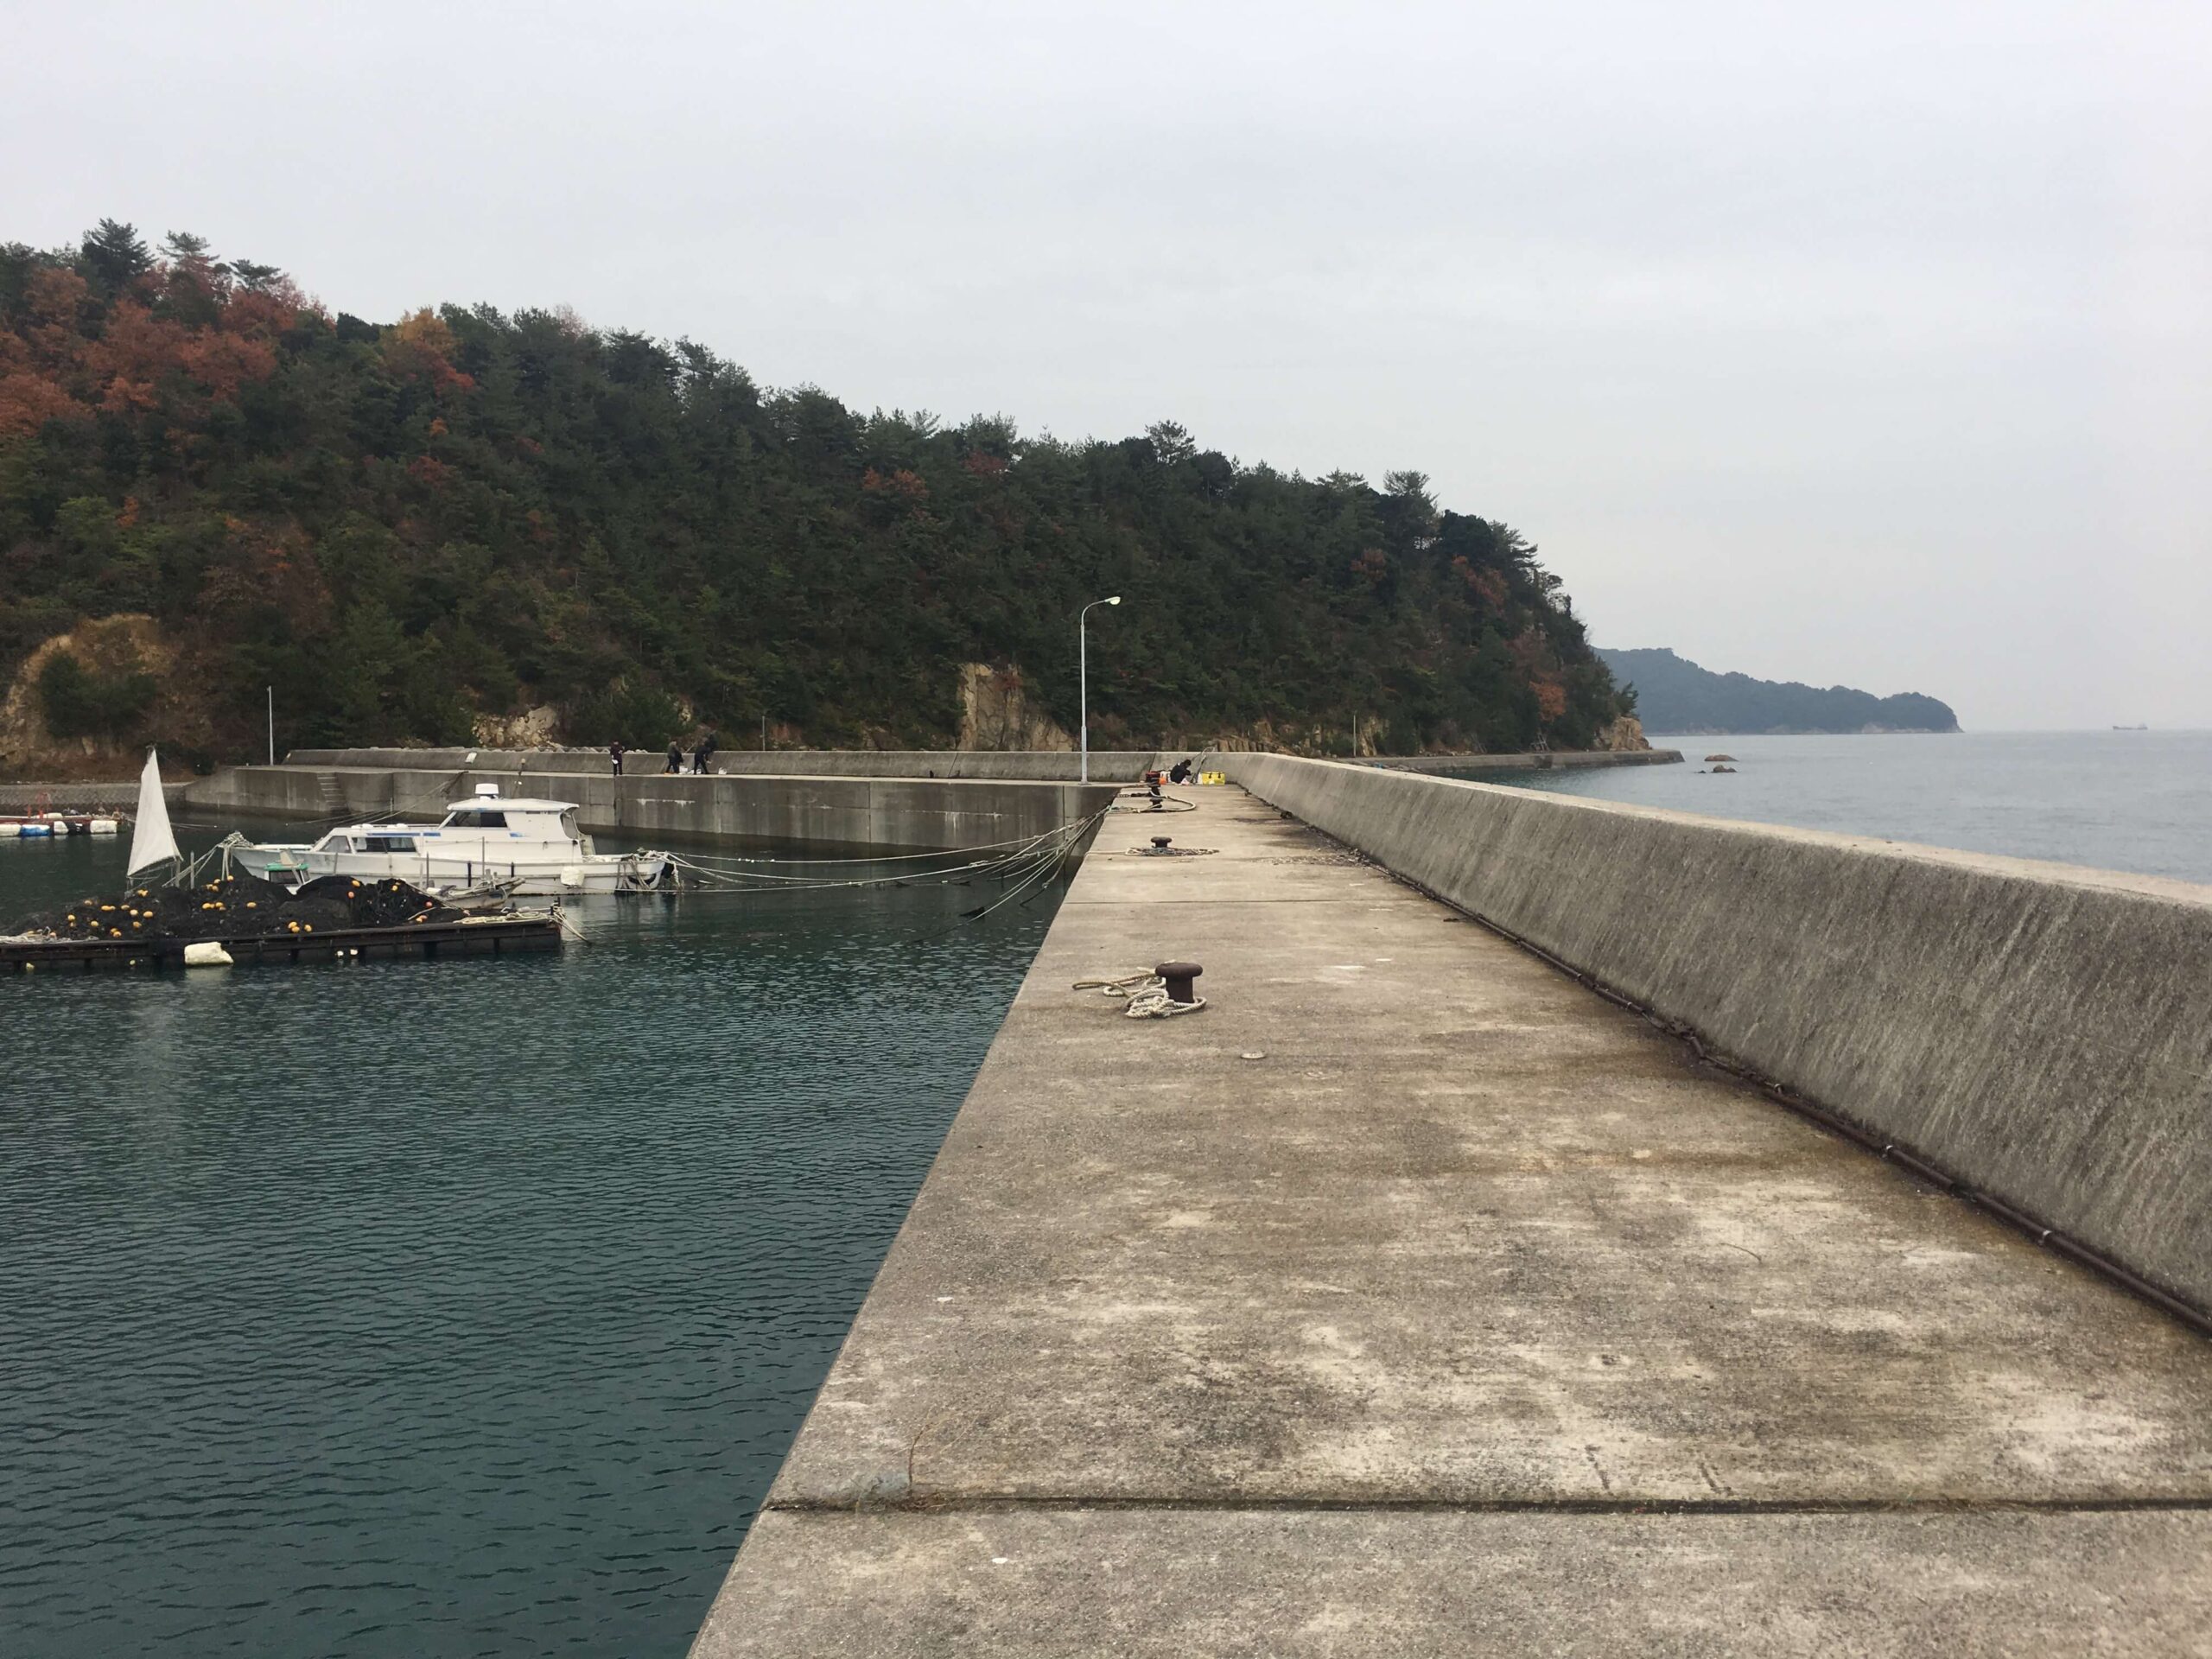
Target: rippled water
(2139, 801)
(452, 1307)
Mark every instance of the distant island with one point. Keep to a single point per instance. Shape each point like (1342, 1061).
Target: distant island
(1674, 695)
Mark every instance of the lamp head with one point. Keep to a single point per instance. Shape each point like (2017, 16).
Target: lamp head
(1115, 600)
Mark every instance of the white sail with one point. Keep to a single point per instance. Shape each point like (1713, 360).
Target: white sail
(151, 840)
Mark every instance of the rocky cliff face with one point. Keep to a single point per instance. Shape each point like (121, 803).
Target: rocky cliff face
(1625, 736)
(534, 728)
(112, 650)
(997, 712)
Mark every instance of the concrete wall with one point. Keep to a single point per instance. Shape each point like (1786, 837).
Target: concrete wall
(902, 813)
(2042, 1033)
(120, 796)
(1050, 765)
(1053, 766)
(1559, 759)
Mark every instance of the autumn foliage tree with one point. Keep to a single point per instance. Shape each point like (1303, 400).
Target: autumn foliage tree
(401, 526)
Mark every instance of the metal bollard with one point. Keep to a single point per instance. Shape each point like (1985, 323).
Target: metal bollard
(1179, 976)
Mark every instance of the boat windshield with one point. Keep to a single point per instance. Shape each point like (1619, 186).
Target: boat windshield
(568, 825)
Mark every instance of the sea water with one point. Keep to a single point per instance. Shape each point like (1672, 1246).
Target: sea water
(457, 1306)
(2134, 801)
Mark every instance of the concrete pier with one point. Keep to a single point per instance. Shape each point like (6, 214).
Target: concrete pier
(2040, 1033)
(888, 813)
(1414, 1298)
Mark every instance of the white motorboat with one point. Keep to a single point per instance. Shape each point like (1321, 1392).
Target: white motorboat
(519, 845)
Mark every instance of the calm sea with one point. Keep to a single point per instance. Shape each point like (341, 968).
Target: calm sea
(2139, 801)
(454, 1308)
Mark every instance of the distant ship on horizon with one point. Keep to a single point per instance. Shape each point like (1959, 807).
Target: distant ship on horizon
(2131, 728)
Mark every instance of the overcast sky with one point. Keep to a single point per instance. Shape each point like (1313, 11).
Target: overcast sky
(1868, 344)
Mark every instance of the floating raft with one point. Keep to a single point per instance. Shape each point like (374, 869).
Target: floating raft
(53, 824)
(494, 936)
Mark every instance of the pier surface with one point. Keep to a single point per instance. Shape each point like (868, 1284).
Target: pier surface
(1413, 1298)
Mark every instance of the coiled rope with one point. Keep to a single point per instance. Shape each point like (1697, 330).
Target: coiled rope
(1145, 995)
(1145, 801)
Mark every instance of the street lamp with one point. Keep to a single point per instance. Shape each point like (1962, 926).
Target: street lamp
(1083, 673)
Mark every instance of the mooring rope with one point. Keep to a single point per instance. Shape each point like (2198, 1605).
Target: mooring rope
(1033, 859)
(1145, 994)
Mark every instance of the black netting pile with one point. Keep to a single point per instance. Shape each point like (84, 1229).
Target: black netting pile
(240, 906)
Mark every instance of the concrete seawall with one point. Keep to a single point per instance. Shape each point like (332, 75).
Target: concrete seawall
(1050, 765)
(895, 813)
(121, 796)
(1034, 765)
(2041, 1032)
(1549, 760)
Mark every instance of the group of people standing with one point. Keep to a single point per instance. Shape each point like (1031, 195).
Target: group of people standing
(700, 755)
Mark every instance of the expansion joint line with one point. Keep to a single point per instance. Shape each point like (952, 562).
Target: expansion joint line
(1889, 1150)
(927, 1503)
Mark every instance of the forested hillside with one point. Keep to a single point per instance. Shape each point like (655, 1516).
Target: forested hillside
(406, 527)
(1676, 694)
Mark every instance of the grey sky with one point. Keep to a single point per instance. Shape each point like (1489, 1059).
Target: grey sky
(1866, 344)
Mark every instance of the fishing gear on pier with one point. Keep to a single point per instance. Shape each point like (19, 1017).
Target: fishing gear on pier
(236, 906)
(1160, 994)
(1149, 796)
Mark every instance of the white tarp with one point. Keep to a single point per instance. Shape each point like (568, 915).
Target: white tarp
(151, 840)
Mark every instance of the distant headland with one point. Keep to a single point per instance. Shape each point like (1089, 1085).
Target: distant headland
(1676, 694)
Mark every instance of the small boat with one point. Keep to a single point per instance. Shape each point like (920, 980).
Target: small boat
(511, 843)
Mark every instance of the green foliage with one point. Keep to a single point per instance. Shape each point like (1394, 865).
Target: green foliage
(113, 257)
(641, 717)
(80, 702)
(401, 526)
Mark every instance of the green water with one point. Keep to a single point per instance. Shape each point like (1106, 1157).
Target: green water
(449, 1307)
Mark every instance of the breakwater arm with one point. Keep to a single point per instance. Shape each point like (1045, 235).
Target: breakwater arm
(2041, 1032)
(893, 813)
(1003, 766)
(1415, 1299)
(1046, 766)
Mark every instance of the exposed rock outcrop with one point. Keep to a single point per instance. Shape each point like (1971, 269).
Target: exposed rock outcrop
(112, 647)
(534, 728)
(1625, 736)
(997, 712)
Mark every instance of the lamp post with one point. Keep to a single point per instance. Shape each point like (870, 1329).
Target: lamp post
(1083, 673)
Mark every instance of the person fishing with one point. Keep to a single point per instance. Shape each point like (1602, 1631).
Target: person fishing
(615, 750)
(702, 755)
(675, 755)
